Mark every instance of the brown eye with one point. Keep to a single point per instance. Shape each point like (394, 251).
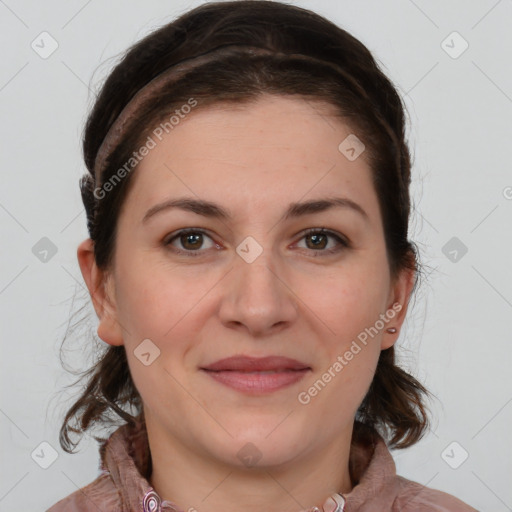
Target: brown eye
(190, 241)
(318, 240)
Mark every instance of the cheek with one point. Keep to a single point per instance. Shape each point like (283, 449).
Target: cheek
(347, 303)
(349, 309)
(155, 300)
(168, 308)
(352, 348)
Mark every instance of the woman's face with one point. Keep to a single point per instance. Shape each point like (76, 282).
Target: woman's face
(253, 282)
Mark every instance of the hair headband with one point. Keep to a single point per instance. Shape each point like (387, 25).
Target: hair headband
(150, 90)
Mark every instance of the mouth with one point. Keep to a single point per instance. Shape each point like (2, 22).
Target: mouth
(257, 375)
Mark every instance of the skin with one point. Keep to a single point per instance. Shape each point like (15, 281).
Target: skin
(295, 300)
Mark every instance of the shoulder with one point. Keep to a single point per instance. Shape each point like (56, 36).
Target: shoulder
(101, 494)
(414, 497)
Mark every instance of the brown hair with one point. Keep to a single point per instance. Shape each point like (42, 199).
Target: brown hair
(307, 56)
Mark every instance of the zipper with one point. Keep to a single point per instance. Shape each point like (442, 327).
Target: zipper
(340, 502)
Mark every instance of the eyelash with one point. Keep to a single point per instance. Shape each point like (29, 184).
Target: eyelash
(316, 231)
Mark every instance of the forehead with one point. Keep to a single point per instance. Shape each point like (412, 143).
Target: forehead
(254, 154)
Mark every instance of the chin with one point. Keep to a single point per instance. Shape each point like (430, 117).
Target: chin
(259, 449)
(253, 456)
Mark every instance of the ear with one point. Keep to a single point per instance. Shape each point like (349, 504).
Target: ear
(100, 288)
(398, 301)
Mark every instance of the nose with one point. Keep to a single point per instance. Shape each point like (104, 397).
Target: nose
(257, 297)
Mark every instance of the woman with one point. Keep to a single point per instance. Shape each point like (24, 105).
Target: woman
(248, 260)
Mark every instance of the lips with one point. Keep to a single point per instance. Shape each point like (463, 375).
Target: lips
(255, 364)
(257, 376)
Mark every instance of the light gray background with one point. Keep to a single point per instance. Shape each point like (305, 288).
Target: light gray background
(457, 338)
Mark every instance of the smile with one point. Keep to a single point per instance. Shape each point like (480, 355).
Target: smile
(257, 382)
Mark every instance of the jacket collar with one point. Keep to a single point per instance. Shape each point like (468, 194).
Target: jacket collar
(126, 456)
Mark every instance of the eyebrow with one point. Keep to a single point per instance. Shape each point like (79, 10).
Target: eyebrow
(215, 211)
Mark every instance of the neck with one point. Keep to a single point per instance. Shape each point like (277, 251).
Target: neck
(195, 481)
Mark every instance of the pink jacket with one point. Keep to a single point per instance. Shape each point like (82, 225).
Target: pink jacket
(125, 465)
